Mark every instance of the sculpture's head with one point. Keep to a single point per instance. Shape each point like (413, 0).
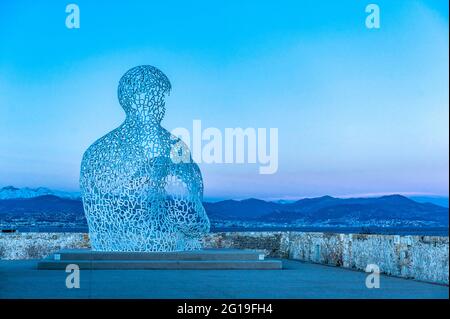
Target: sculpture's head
(142, 90)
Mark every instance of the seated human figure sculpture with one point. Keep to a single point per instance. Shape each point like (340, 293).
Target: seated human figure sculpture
(137, 193)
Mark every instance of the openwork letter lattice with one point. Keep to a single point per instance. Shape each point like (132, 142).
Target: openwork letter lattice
(137, 194)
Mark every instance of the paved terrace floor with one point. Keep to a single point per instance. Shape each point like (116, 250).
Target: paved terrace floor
(21, 279)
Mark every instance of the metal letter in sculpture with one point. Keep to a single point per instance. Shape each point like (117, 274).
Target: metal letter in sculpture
(137, 193)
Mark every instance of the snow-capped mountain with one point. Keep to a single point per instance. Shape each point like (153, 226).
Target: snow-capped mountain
(11, 192)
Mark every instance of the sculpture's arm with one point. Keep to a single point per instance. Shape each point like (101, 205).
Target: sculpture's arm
(184, 189)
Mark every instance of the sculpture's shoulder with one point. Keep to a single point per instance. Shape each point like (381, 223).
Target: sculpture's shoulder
(102, 149)
(179, 151)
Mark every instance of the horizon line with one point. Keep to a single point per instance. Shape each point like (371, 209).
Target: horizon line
(276, 198)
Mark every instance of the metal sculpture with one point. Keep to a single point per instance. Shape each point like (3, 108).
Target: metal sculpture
(141, 190)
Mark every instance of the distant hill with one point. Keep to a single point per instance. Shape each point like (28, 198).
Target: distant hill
(11, 192)
(392, 210)
(42, 204)
(244, 209)
(437, 200)
(42, 210)
(392, 206)
(327, 208)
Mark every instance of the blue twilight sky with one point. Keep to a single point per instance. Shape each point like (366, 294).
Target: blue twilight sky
(359, 111)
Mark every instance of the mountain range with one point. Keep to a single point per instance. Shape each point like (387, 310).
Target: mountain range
(391, 210)
(327, 208)
(11, 192)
